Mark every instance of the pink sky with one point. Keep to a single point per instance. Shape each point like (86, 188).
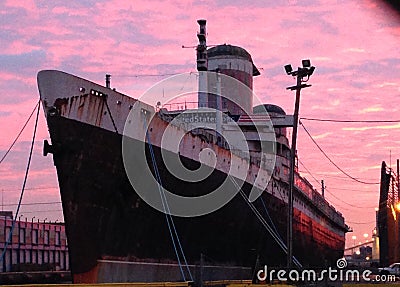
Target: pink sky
(353, 44)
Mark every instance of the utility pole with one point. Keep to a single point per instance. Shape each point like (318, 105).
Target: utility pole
(323, 188)
(306, 71)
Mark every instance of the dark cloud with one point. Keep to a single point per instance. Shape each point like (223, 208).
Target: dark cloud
(263, 3)
(17, 63)
(44, 4)
(377, 67)
(312, 20)
(14, 91)
(4, 114)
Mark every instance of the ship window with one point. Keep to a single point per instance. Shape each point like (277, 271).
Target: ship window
(269, 146)
(58, 238)
(34, 256)
(46, 256)
(35, 236)
(57, 257)
(8, 231)
(22, 256)
(22, 235)
(27, 256)
(46, 237)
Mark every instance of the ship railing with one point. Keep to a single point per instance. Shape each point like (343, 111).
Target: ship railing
(306, 188)
(181, 106)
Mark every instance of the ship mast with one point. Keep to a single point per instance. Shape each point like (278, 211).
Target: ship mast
(202, 64)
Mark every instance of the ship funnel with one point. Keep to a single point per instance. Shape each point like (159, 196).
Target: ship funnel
(108, 81)
(202, 65)
(202, 47)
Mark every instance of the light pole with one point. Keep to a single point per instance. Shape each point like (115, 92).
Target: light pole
(302, 75)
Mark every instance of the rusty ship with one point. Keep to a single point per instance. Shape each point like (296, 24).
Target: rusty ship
(115, 235)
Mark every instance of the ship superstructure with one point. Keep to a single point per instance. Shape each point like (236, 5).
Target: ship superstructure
(114, 235)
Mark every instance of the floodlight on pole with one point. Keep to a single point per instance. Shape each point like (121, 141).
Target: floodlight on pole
(288, 69)
(302, 75)
(306, 63)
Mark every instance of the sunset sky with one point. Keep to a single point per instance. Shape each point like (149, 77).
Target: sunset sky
(353, 44)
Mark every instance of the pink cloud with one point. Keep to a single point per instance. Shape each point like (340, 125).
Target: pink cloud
(354, 46)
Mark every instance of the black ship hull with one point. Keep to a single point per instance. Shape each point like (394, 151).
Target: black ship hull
(114, 236)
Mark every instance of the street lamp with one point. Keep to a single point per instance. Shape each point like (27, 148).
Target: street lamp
(302, 75)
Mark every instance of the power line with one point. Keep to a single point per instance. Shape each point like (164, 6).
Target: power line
(349, 189)
(316, 180)
(24, 183)
(338, 205)
(30, 188)
(336, 188)
(332, 162)
(335, 176)
(308, 171)
(33, 203)
(37, 211)
(349, 204)
(17, 137)
(367, 222)
(350, 121)
(147, 75)
(340, 177)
